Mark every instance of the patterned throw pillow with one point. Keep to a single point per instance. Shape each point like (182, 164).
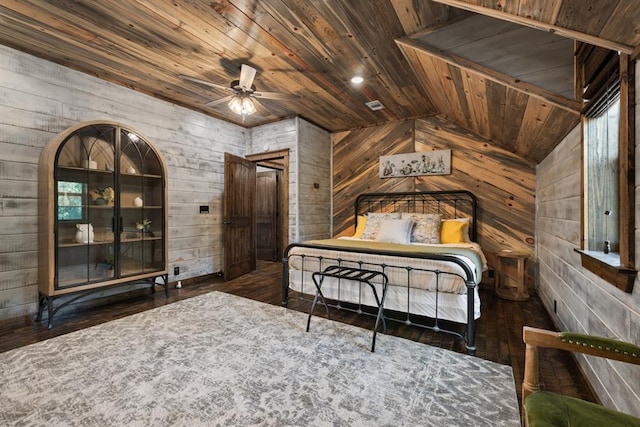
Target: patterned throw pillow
(426, 228)
(373, 223)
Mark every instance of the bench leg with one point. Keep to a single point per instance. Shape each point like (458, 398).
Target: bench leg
(375, 328)
(380, 315)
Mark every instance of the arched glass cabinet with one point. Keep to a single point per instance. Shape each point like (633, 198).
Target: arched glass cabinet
(102, 213)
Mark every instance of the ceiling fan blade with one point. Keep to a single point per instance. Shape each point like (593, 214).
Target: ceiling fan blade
(260, 109)
(219, 101)
(204, 82)
(275, 95)
(247, 74)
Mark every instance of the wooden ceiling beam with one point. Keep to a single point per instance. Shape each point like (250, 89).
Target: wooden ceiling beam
(496, 76)
(635, 55)
(555, 29)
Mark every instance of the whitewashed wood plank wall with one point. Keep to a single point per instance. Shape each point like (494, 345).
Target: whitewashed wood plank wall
(309, 162)
(280, 136)
(314, 167)
(584, 302)
(39, 99)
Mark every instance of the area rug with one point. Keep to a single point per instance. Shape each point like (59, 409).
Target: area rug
(219, 359)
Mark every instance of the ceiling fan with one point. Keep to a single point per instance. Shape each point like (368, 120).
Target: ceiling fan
(243, 98)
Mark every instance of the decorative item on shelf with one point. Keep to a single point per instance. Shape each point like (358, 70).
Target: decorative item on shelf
(106, 235)
(105, 264)
(104, 268)
(84, 233)
(89, 164)
(137, 202)
(105, 196)
(607, 243)
(144, 226)
(108, 167)
(131, 169)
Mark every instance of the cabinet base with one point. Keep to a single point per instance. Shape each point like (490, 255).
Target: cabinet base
(48, 301)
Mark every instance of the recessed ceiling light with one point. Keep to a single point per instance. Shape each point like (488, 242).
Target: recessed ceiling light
(357, 79)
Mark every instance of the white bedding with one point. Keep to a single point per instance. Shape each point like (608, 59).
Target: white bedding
(419, 277)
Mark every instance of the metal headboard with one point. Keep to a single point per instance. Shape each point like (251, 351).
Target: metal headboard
(448, 204)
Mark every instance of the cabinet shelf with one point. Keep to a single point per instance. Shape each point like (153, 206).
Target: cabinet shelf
(143, 175)
(96, 207)
(76, 169)
(110, 207)
(140, 239)
(79, 245)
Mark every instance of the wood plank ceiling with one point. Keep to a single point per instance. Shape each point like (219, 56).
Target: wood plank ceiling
(403, 48)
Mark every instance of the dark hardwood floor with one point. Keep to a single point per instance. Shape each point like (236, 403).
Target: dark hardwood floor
(499, 332)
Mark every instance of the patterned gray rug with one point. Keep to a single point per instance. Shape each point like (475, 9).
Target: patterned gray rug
(219, 359)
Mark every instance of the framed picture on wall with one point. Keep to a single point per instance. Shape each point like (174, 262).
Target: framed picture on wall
(414, 164)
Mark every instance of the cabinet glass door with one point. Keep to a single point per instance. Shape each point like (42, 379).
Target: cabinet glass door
(141, 207)
(85, 208)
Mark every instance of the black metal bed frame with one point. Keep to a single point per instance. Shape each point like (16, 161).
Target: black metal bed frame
(450, 205)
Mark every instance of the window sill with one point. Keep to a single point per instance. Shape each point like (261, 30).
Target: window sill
(607, 267)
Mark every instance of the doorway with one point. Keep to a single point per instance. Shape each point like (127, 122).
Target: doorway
(272, 203)
(268, 233)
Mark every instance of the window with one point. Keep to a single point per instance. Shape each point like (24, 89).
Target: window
(607, 80)
(70, 195)
(601, 178)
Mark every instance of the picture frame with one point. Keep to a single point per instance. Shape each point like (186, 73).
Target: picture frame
(436, 162)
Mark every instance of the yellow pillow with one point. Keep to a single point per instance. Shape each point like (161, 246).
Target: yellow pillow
(452, 231)
(362, 222)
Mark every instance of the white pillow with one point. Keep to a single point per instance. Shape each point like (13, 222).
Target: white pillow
(395, 231)
(373, 223)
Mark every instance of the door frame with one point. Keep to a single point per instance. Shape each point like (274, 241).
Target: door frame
(278, 160)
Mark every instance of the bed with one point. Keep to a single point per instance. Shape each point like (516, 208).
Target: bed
(424, 242)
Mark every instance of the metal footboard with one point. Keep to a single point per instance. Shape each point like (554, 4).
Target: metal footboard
(409, 318)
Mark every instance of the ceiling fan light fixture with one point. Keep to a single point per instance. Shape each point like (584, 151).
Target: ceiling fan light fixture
(242, 104)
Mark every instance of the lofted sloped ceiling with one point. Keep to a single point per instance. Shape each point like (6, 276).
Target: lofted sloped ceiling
(613, 24)
(311, 49)
(510, 84)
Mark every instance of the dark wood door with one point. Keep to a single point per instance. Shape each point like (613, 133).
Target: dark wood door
(239, 216)
(268, 215)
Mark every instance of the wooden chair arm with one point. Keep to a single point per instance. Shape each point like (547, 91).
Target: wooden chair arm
(579, 343)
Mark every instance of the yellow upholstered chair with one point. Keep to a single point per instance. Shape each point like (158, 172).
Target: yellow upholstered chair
(542, 408)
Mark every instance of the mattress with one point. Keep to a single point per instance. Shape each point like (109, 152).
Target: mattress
(400, 269)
